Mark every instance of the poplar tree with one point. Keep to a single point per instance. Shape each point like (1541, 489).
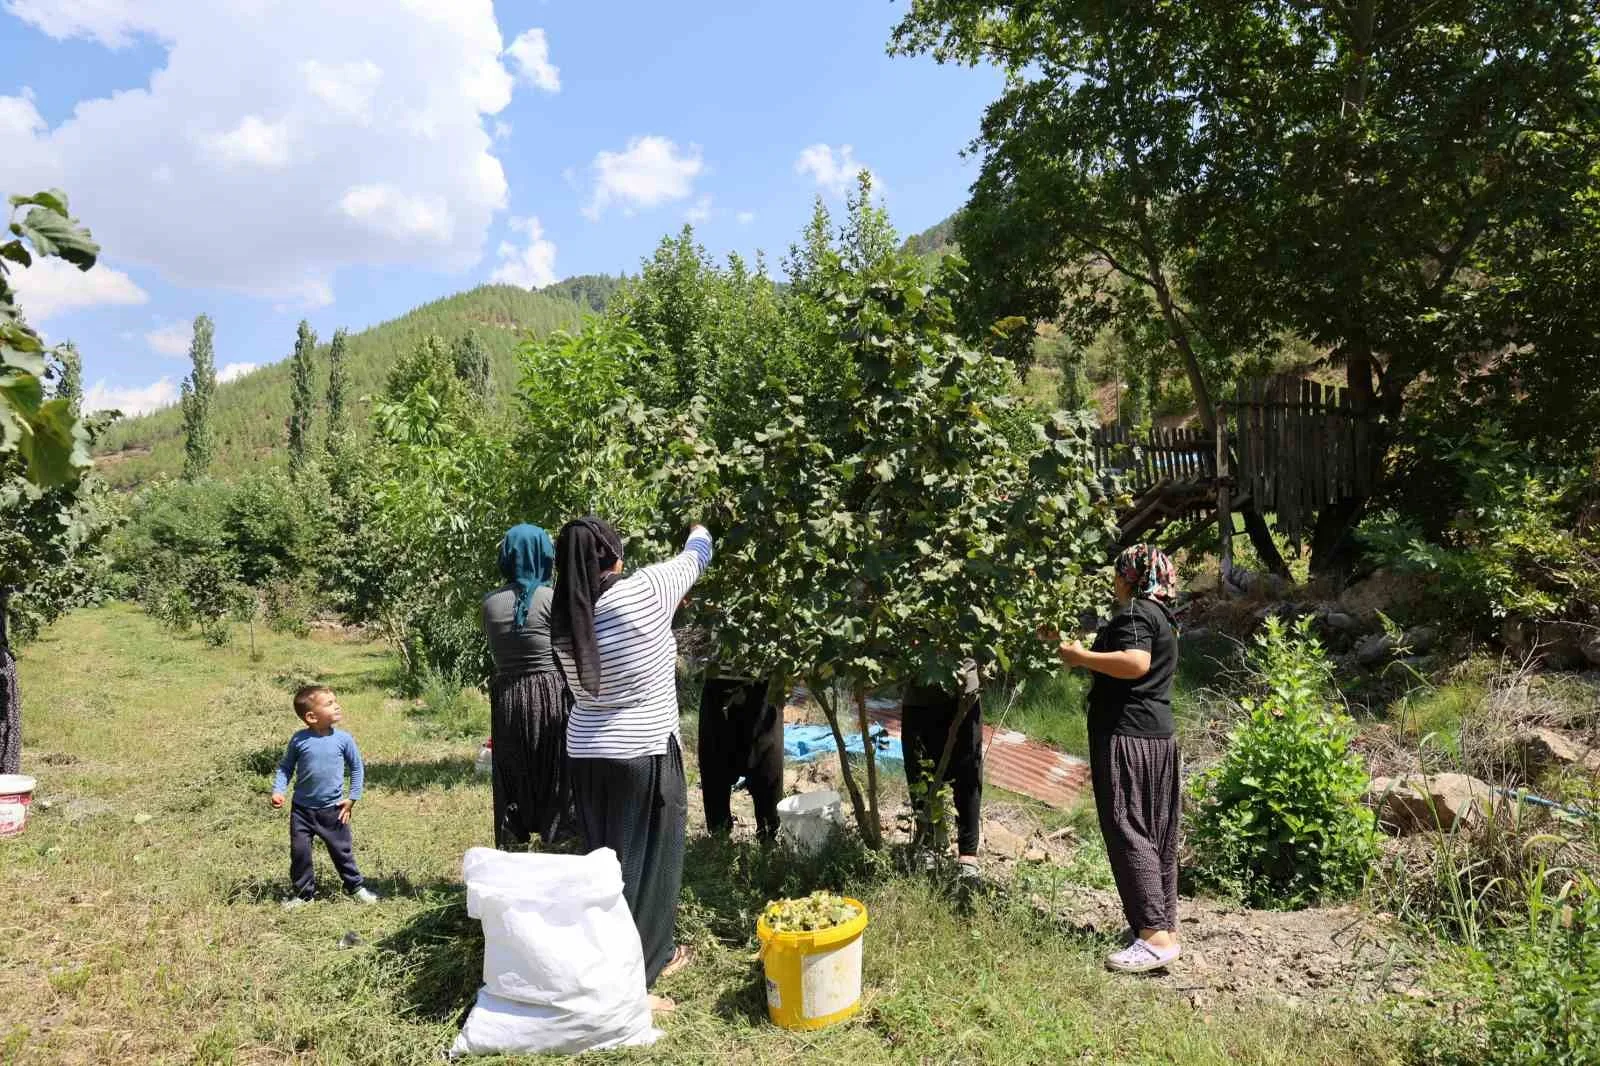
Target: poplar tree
(199, 441)
(300, 416)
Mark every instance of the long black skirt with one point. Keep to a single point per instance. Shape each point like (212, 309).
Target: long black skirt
(639, 809)
(532, 786)
(1138, 795)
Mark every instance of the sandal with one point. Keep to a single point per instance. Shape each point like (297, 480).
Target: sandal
(682, 956)
(1141, 956)
(662, 1005)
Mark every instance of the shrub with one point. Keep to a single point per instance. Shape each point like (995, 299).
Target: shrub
(1279, 821)
(1531, 995)
(1500, 532)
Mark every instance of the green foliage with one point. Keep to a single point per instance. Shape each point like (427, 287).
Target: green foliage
(1280, 821)
(69, 382)
(1531, 995)
(47, 434)
(1500, 531)
(338, 386)
(472, 365)
(199, 440)
(203, 552)
(304, 401)
(250, 414)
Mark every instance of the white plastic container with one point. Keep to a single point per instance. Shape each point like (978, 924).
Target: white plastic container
(16, 796)
(484, 764)
(808, 819)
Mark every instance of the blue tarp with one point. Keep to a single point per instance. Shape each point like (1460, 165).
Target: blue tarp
(802, 743)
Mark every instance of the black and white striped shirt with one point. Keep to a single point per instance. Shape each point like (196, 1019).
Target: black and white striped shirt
(636, 709)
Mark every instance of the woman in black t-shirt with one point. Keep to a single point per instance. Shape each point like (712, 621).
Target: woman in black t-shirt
(1133, 755)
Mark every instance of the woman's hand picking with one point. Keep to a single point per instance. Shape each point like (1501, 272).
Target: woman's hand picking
(1071, 652)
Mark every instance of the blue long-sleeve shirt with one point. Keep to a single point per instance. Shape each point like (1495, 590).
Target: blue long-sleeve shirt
(317, 765)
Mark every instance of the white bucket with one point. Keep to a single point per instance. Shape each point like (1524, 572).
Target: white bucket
(16, 795)
(807, 820)
(484, 763)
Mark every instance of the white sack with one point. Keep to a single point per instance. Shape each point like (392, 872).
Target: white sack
(562, 968)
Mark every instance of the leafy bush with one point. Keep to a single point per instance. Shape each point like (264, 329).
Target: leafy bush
(1499, 531)
(1531, 995)
(1279, 821)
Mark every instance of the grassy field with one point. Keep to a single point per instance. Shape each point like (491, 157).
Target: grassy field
(139, 917)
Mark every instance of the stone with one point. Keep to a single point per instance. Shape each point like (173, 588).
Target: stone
(998, 840)
(1590, 647)
(1545, 747)
(1340, 622)
(141, 819)
(1424, 802)
(1420, 639)
(1035, 854)
(1375, 650)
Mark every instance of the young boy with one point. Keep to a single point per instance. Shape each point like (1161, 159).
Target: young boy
(316, 758)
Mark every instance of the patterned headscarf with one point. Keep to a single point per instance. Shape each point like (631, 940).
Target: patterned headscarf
(1149, 573)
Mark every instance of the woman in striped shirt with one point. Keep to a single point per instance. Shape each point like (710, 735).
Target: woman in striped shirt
(613, 640)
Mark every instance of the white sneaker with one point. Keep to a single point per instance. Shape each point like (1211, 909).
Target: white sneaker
(1140, 956)
(364, 895)
(296, 903)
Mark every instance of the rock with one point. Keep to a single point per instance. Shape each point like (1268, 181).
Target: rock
(1340, 622)
(141, 818)
(1545, 747)
(1001, 841)
(1375, 650)
(1420, 639)
(351, 940)
(1035, 854)
(1590, 647)
(1421, 803)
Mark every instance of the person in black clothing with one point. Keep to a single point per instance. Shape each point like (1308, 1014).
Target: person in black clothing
(1133, 753)
(740, 735)
(926, 717)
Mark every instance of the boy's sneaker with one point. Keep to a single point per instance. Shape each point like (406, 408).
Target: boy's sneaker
(364, 895)
(1140, 956)
(296, 903)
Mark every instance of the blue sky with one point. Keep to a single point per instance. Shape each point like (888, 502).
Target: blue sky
(268, 160)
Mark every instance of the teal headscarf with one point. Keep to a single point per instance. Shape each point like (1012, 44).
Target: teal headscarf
(527, 559)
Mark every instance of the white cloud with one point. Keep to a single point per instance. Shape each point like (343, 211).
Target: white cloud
(502, 130)
(700, 212)
(532, 266)
(253, 143)
(235, 370)
(347, 88)
(388, 210)
(746, 217)
(171, 339)
(130, 399)
(232, 168)
(53, 286)
(531, 53)
(651, 171)
(834, 171)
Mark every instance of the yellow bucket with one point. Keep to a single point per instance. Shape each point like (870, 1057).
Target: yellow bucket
(813, 979)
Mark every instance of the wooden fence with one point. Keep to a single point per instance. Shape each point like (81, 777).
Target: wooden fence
(1147, 460)
(1292, 447)
(1298, 446)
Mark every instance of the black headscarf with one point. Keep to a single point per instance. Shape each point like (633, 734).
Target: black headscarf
(586, 550)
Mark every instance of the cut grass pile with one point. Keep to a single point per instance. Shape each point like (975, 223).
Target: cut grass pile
(139, 917)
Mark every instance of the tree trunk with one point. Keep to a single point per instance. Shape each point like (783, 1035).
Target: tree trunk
(1261, 540)
(1333, 546)
(871, 758)
(869, 830)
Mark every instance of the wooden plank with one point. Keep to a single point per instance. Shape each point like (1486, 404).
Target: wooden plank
(1224, 514)
(1319, 452)
(1258, 431)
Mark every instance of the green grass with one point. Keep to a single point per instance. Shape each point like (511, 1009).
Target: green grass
(162, 941)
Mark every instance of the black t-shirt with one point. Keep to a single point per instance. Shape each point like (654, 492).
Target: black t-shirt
(1141, 707)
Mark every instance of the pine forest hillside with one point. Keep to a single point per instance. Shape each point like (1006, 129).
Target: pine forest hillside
(251, 413)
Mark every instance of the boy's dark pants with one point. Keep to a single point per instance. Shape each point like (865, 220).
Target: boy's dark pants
(322, 822)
